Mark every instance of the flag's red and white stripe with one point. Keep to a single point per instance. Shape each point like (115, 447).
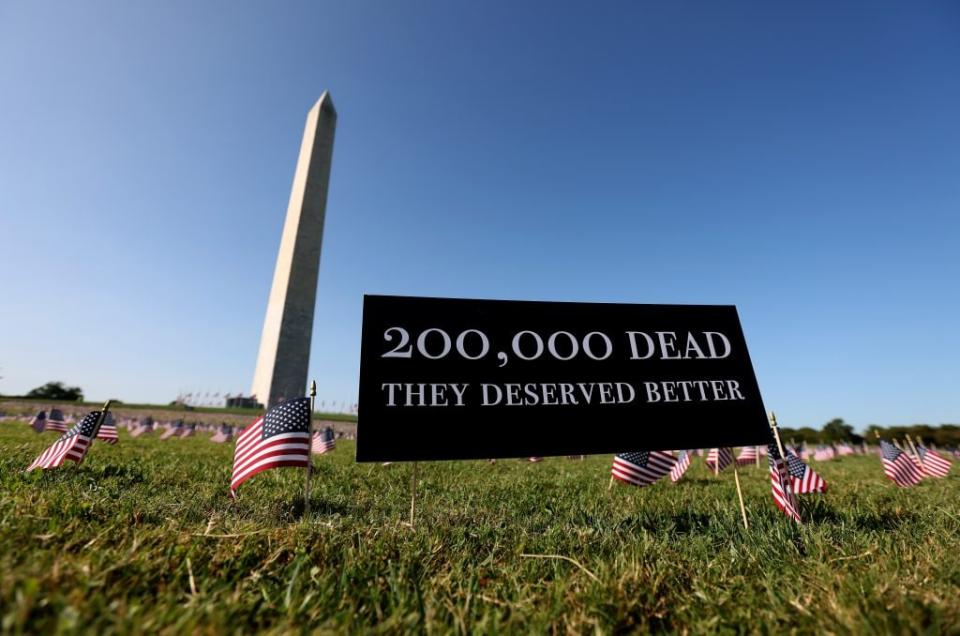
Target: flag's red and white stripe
(747, 456)
(679, 468)
(933, 464)
(780, 486)
(725, 456)
(642, 469)
(254, 454)
(810, 482)
(322, 444)
(898, 466)
(73, 448)
(108, 434)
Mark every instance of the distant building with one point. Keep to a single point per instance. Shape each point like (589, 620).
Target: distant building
(241, 402)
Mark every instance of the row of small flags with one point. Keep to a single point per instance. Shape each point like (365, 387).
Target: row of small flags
(283, 438)
(56, 422)
(324, 441)
(789, 474)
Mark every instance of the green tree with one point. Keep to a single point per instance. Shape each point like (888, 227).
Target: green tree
(836, 430)
(57, 391)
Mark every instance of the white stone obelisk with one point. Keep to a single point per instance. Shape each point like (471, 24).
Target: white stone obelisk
(284, 356)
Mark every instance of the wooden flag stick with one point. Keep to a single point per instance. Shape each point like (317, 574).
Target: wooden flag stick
(776, 435)
(913, 447)
(743, 509)
(716, 464)
(756, 449)
(610, 485)
(101, 419)
(306, 483)
(413, 494)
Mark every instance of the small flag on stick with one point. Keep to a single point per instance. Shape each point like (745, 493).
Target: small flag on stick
(683, 463)
(39, 422)
(223, 434)
(780, 484)
(643, 468)
(324, 441)
(279, 438)
(73, 444)
(725, 456)
(747, 456)
(56, 421)
(898, 466)
(108, 430)
(933, 464)
(804, 480)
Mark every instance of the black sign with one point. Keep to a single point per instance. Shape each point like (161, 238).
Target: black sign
(470, 379)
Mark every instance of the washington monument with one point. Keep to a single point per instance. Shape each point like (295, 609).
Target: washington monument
(284, 356)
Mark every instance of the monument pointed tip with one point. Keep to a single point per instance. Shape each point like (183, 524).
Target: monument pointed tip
(325, 103)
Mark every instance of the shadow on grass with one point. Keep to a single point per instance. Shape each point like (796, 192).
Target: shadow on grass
(319, 508)
(818, 512)
(884, 522)
(702, 481)
(678, 523)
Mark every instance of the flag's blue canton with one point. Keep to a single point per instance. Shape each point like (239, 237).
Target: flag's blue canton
(640, 459)
(890, 451)
(84, 427)
(292, 416)
(796, 467)
(328, 434)
(921, 451)
(56, 414)
(773, 453)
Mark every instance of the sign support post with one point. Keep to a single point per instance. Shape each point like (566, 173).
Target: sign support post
(413, 495)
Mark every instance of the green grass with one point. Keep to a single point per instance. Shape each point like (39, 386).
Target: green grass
(110, 547)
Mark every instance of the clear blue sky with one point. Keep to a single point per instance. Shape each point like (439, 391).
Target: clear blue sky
(801, 162)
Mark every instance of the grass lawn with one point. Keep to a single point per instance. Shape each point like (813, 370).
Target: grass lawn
(144, 538)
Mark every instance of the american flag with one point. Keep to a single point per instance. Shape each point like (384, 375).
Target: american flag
(534, 460)
(188, 430)
(173, 430)
(56, 421)
(748, 455)
(72, 445)
(643, 468)
(39, 421)
(933, 464)
(145, 425)
(279, 438)
(845, 449)
(898, 466)
(223, 434)
(683, 463)
(108, 430)
(824, 453)
(780, 485)
(324, 441)
(805, 480)
(726, 458)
